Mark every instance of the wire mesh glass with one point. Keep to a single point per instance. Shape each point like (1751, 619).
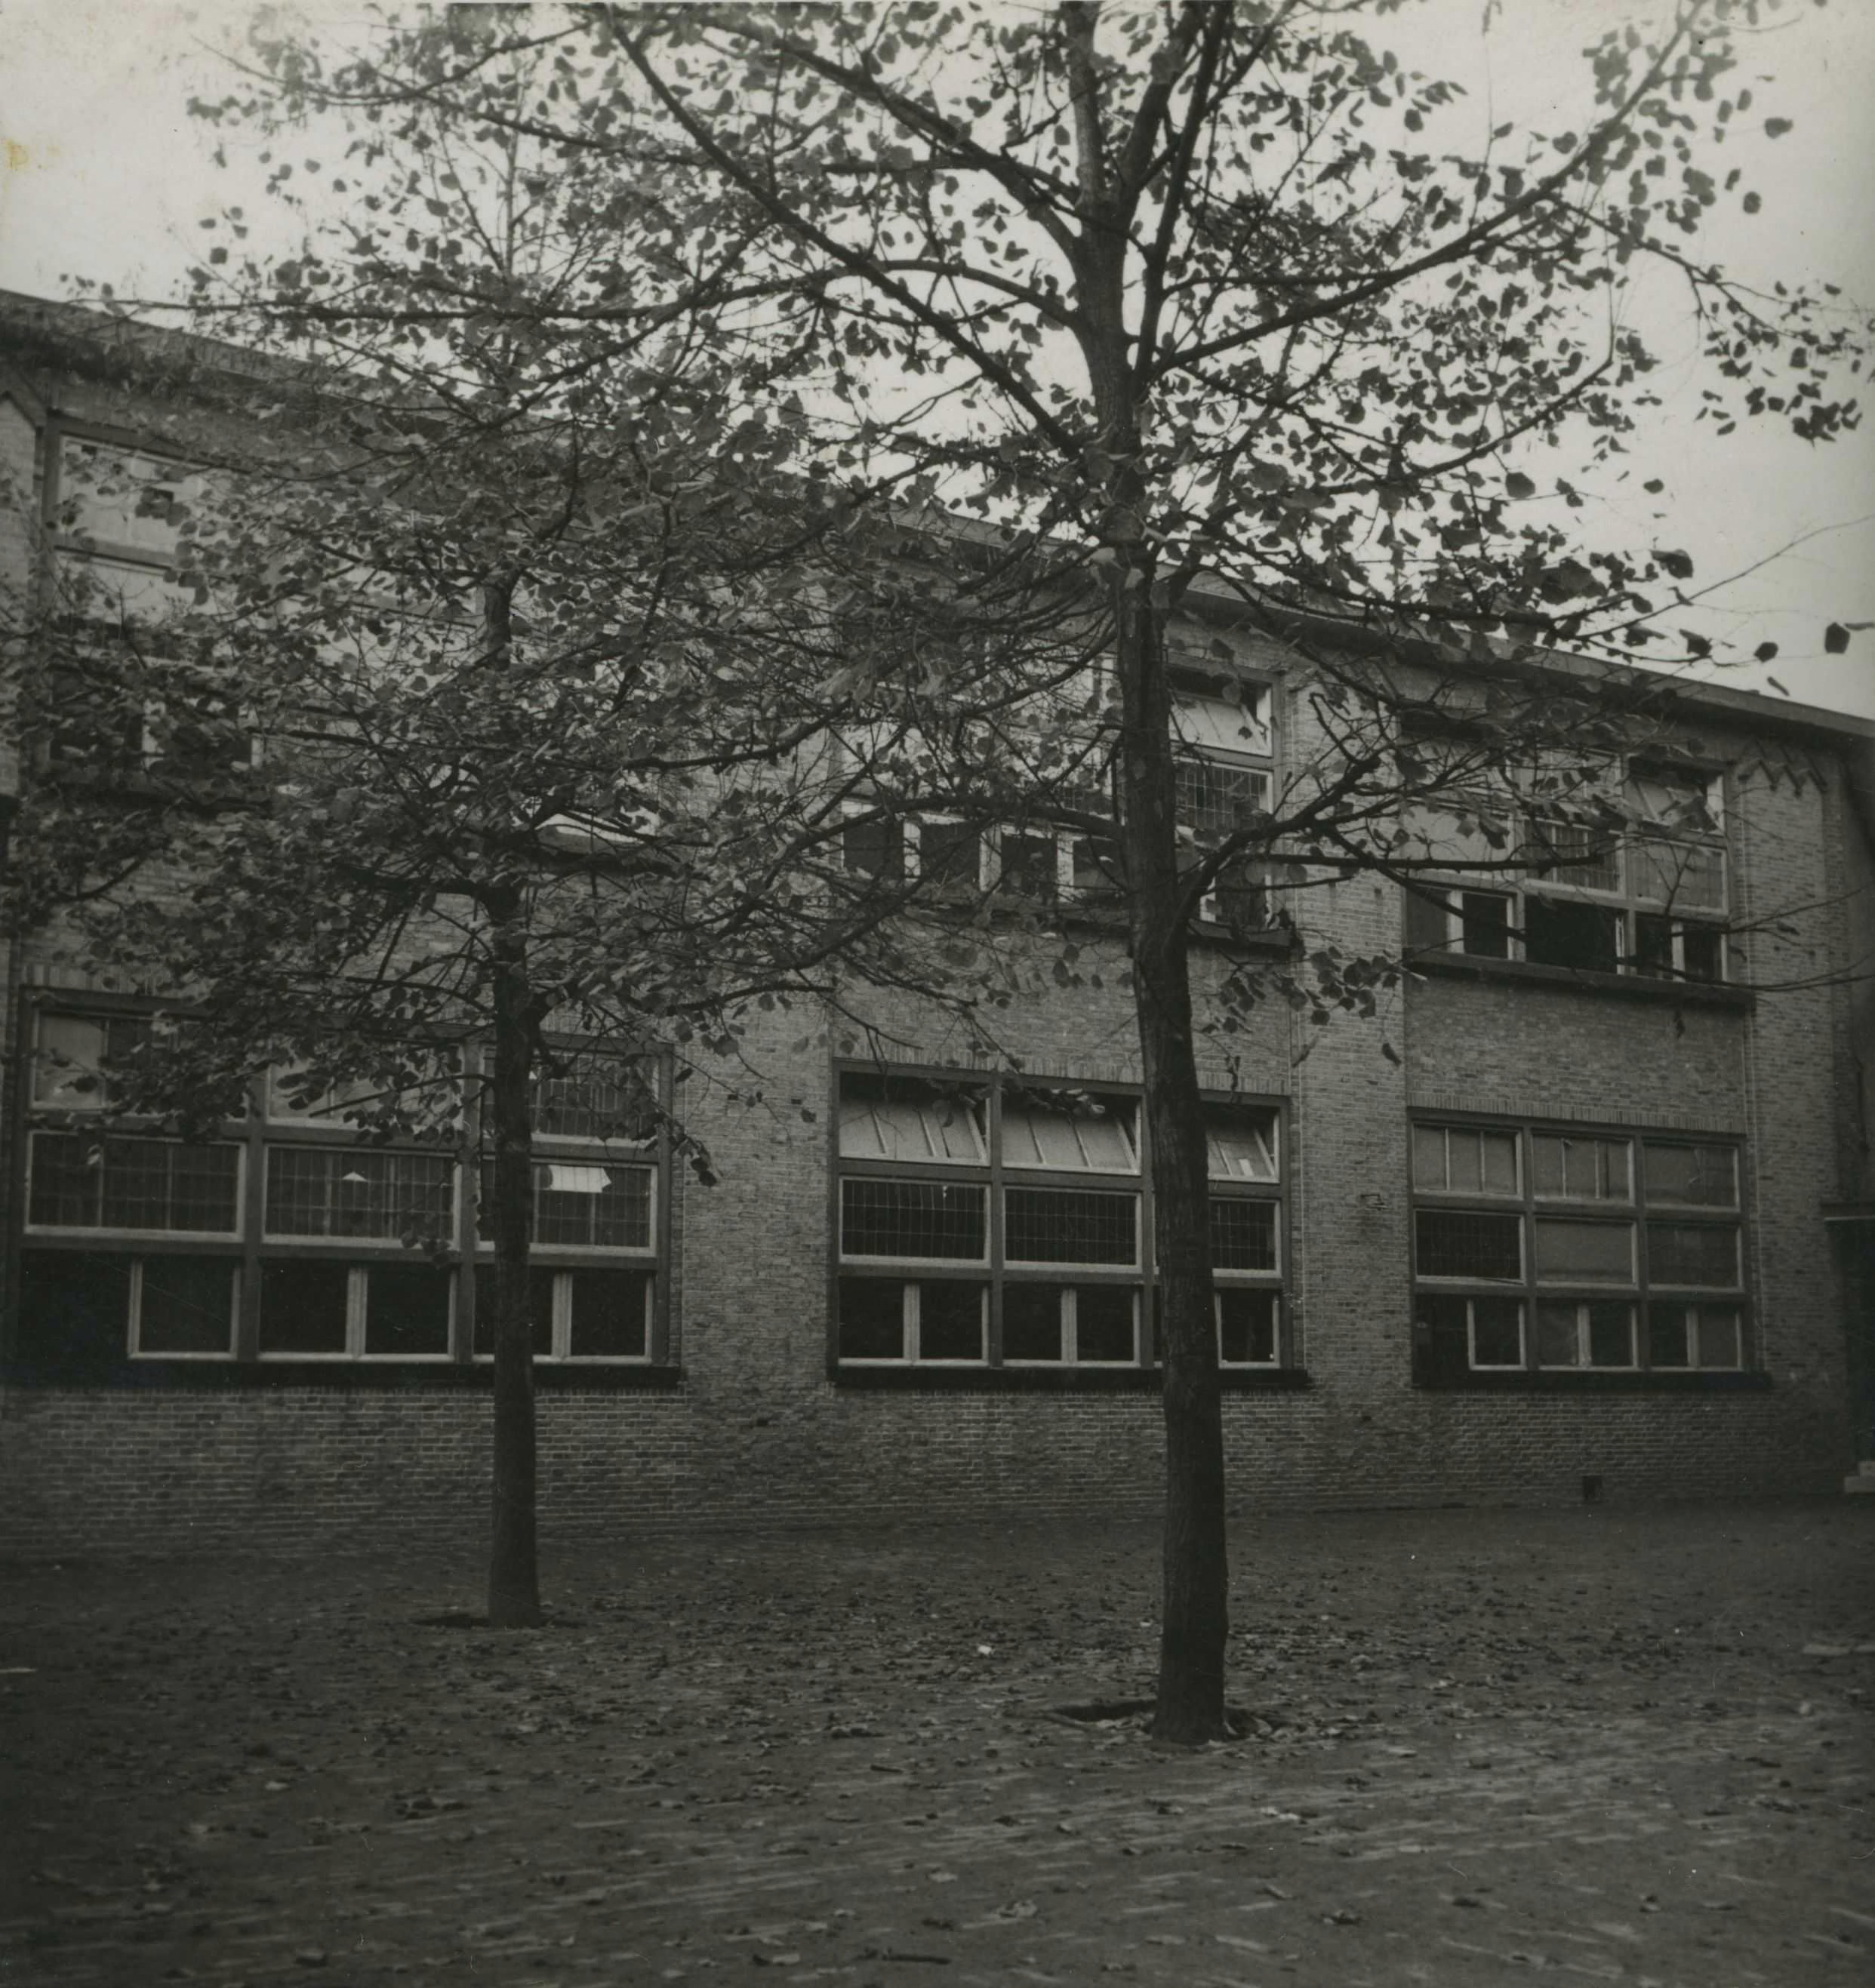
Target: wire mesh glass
(340, 1191)
(1070, 1226)
(1243, 1235)
(1454, 1242)
(929, 1218)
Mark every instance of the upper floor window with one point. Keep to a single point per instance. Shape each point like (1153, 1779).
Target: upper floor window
(1637, 886)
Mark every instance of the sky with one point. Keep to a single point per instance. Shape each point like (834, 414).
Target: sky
(103, 175)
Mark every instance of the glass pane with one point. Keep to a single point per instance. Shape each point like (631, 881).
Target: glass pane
(871, 1318)
(74, 1311)
(1498, 1162)
(880, 1218)
(64, 1073)
(1246, 1327)
(1611, 1335)
(1719, 1337)
(1070, 1226)
(595, 1097)
(539, 1311)
(338, 1191)
(1089, 1137)
(1589, 1253)
(1578, 1169)
(901, 1119)
(949, 853)
(1702, 950)
(1462, 1162)
(68, 1181)
(950, 1321)
(1028, 866)
(610, 1314)
(1103, 1323)
(1576, 853)
(1240, 1145)
(1484, 921)
(1428, 921)
(303, 1307)
(1689, 875)
(1428, 1158)
(1032, 1321)
(1558, 932)
(873, 848)
(406, 1310)
(1654, 946)
(1703, 1176)
(1668, 1341)
(1456, 1245)
(1681, 1253)
(187, 1305)
(597, 1207)
(1497, 1332)
(1558, 1341)
(1243, 1235)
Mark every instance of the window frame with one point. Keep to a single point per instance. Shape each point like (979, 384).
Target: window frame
(1439, 920)
(995, 1175)
(114, 1344)
(1637, 1212)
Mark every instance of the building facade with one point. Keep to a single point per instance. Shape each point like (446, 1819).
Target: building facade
(1582, 1209)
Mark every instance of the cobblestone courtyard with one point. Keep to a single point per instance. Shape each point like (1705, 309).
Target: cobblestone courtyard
(1629, 1745)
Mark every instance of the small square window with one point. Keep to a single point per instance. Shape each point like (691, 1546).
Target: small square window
(950, 1321)
(1032, 1321)
(185, 1305)
(1497, 1332)
(1246, 1327)
(872, 1318)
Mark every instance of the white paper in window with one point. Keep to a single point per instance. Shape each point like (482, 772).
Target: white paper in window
(577, 1180)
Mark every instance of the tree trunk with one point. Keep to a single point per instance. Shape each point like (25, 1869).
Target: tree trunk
(1195, 1622)
(514, 1579)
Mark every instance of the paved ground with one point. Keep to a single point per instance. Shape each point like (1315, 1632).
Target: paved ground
(1632, 1745)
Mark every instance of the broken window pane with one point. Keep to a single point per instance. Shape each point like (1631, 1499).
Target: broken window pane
(1560, 932)
(871, 1318)
(883, 1217)
(1704, 1176)
(1048, 1226)
(1587, 1253)
(1084, 1134)
(1240, 1145)
(1247, 1327)
(950, 1321)
(1032, 1321)
(1243, 1234)
(1223, 724)
(1456, 1243)
(187, 1305)
(1688, 1254)
(1104, 1323)
(903, 1119)
(1570, 1168)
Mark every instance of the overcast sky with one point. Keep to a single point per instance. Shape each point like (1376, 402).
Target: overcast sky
(103, 175)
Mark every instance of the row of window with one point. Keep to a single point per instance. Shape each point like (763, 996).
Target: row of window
(188, 1307)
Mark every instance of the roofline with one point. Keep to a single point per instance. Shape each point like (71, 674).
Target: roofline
(80, 325)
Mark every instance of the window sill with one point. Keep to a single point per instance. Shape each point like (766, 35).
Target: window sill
(1053, 1380)
(1717, 1380)
(148, 1373)
(1627, 986)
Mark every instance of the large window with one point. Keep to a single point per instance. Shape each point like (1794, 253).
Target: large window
(1640, 888)
(987, 1222)
(293, 1235)
(1540, 1248)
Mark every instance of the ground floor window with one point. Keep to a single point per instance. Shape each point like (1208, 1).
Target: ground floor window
(984, 1221)
(1545, 1249)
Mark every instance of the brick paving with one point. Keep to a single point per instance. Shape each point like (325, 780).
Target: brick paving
(1631, 1744)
